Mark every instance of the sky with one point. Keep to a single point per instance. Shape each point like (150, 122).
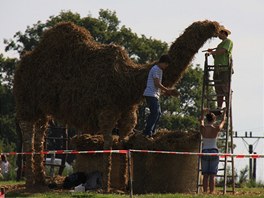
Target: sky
(166, 20)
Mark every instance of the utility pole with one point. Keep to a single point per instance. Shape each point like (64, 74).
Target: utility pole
(254, 167)
(252, 162)
(250, 150)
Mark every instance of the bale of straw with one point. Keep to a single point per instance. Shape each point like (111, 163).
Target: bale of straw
(94, 162)
(165, 173)
(152, 173)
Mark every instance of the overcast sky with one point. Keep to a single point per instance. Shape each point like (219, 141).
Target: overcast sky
(166, 20)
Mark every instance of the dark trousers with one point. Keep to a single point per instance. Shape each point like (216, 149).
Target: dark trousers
(153, 118)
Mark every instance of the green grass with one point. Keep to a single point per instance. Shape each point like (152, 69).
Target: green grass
(240, 192)
(93, 195)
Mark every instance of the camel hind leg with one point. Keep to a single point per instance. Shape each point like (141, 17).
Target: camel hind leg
(126, 124)
(107, 121)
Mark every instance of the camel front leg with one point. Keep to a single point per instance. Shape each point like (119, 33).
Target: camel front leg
(126, 124)
(28, 146)
(107, 121)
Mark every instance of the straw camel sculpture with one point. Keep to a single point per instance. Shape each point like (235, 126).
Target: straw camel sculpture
(90, 86)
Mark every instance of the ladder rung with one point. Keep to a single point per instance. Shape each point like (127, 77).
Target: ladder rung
(216, 82)
(217, 112)
(215, 85)
(210, 66)
(223, 135)
(223, 176)
(210, 69)
(213, 81)
(222, 66)
(224, 139)
(211, 100)
(215, 95)
(220, 139)
(226, 161)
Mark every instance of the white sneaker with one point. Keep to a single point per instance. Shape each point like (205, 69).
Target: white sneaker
(149, 137)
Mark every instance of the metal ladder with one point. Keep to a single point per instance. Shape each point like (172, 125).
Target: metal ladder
(226, 135)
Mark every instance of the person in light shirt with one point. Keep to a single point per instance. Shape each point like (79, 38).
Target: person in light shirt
(152, 93)
(209, 131)
(4, 167)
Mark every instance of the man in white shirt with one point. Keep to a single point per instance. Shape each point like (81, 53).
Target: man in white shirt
(152, 94)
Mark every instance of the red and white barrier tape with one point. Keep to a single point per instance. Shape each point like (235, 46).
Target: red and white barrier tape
(66, 152)
(223, 155)
(2, 193)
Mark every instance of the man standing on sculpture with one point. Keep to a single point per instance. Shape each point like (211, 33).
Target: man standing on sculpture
(152, 94)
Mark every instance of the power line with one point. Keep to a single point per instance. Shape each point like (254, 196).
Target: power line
(251, 148)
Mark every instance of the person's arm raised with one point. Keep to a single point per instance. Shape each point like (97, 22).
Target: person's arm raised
(223, 120)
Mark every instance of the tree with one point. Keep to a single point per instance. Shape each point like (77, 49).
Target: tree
(7, 70)
(7, 109)
(190, 89)
(7, 115)
(105, 30)
(185, 110)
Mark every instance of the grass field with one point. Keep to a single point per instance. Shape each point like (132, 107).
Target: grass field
(16, 192)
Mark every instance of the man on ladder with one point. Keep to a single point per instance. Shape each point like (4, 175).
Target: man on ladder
(222, 55)
(222, 72)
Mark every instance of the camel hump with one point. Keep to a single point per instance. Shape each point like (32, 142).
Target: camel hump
(66, 34)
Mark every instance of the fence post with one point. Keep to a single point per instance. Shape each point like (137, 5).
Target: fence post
(130, 173)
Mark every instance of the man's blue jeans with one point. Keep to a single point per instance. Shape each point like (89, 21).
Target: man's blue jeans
(153, 118)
